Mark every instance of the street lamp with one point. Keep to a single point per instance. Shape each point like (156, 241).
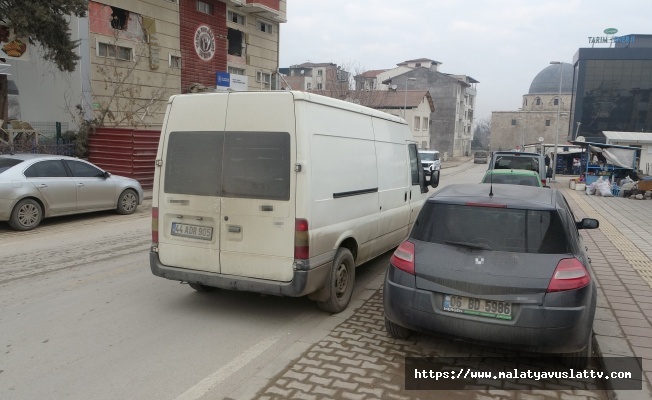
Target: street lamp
(405, 97)
(554, 162)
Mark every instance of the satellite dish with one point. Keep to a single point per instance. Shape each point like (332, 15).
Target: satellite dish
(580, 139)
(302, 72)
(541, 139)
(393, 87)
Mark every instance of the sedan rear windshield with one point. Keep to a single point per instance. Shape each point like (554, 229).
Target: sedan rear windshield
(6, 163)
(497, 229)
(525, 180)
(517, 162)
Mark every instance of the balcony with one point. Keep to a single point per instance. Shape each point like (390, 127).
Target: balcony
(265, 8)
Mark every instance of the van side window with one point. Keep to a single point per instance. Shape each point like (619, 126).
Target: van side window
(414, 163)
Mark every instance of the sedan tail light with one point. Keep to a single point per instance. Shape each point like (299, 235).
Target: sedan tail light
(403, 257)
(570, 274)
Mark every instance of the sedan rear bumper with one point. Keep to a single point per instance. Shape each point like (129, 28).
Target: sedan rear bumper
(533, 327)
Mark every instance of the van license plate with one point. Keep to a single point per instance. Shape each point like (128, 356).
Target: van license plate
(192, 231)
(479, 307)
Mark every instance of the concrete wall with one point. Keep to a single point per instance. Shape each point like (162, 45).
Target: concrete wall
(530, 124)
(134, 92)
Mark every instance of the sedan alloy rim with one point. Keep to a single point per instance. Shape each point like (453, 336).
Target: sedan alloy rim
(129, 202)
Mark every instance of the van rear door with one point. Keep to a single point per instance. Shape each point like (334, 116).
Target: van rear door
(189, 185)
(258, 203)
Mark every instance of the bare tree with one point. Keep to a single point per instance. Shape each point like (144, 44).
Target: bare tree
(481, 134)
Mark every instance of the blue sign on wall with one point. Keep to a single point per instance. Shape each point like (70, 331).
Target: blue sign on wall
(223, 79)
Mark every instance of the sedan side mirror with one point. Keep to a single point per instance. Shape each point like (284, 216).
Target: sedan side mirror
(588, 223)
(107, 174)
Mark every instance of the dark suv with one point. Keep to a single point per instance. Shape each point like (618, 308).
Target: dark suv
(502, 265)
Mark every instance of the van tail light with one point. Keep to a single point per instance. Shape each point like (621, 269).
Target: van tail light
(403, 257)
(301, 240)
(155, 225)
(570, 274)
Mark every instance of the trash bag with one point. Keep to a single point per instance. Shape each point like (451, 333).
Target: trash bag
(603, 188)
(590, 189)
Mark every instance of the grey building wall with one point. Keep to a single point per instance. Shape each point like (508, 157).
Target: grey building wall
(447, 92)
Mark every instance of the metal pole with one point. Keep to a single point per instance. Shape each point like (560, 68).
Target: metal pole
(554, 166)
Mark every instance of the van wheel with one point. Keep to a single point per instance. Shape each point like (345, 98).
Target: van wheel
(397, 331)
(339, 284)
(200, 288)
(26, 215)
(127, 202)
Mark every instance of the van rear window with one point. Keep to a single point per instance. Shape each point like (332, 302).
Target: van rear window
(229, 164)
(502, 229)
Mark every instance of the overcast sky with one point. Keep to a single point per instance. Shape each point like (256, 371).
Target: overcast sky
(503, 44)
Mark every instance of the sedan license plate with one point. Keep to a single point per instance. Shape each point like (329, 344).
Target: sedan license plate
(478, 307)
(192, 231)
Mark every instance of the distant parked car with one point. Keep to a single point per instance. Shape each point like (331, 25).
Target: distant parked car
(512, 177)
(480, 157)
(507, 269)
(37, 186)
(519, 160)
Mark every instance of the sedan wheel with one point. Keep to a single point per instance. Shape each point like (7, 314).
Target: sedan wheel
(26, 215)
(127, 202)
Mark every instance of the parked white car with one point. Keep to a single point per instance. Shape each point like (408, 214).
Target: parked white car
(37, 186)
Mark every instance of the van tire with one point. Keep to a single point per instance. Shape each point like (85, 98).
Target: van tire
(339, 283)
(200, 288)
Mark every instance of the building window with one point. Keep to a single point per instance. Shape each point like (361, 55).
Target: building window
(547, 122)
(175, 61)
(425, 123)
(417, 123)
(236, 18)
(235, 40)
(555, 102)
(111, 51)
(264, 78)
(320, 72)
(236, 71)
(308, 85)
(119, 18)
(204, 8)
(265, 27)
(417, 65)
(525, 102)
(537, 101)
(319, 86)
(513, 122)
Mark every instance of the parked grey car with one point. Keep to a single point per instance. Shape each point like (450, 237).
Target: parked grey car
(37, 186)
(502, 265)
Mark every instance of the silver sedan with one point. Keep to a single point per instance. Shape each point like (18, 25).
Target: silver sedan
(37, 186)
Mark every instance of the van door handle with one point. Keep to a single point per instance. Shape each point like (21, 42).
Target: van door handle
(42, 185)
(405, 197)
(234, 229)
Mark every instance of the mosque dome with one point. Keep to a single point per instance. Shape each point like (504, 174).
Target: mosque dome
(547, 81)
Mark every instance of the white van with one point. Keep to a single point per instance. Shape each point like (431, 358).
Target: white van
(281, 193)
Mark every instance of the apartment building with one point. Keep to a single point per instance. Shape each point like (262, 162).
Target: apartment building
(315, 76)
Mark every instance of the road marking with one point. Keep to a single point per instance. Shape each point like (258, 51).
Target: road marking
(226, 371)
